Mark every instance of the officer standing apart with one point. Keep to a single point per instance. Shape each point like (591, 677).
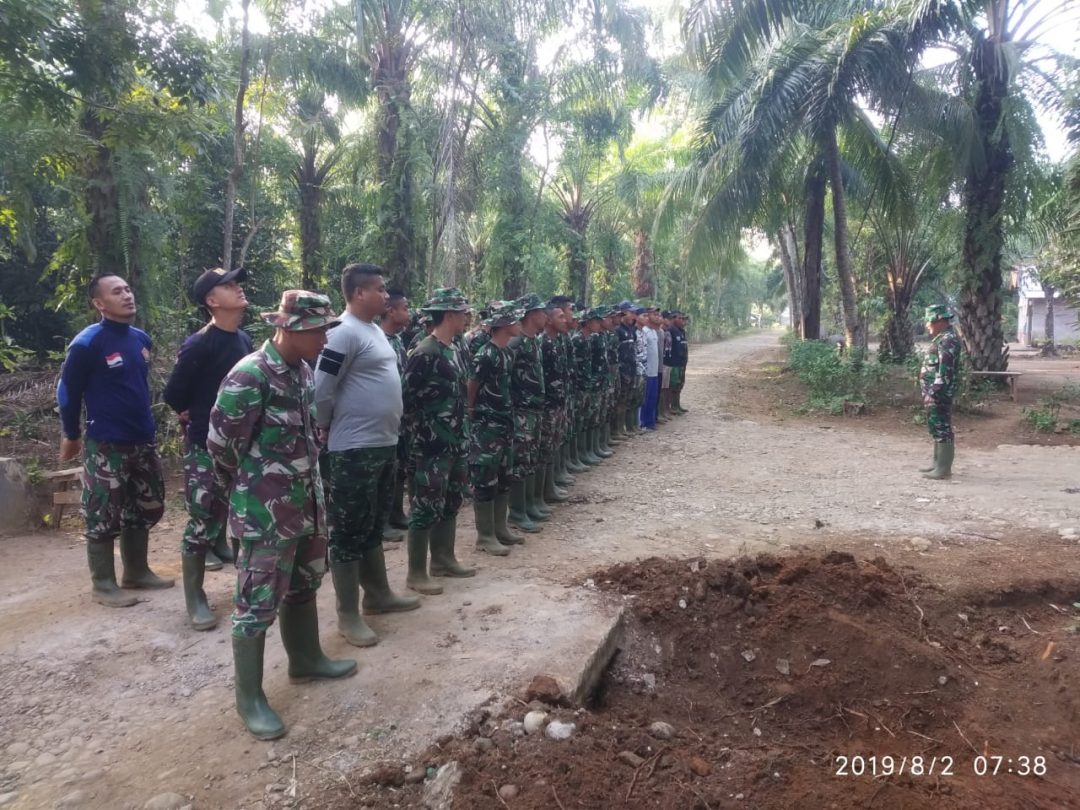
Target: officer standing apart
(204, 360)
(938, 380)
(358, 406)
(435, 412)
(123, 489)
(263, 443)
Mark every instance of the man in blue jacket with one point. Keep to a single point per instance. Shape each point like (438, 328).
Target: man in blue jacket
(106, 369)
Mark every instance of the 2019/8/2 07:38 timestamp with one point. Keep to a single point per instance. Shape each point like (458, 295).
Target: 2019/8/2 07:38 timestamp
(889, 765)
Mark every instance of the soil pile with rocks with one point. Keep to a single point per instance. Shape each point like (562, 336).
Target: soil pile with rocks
(811, 681)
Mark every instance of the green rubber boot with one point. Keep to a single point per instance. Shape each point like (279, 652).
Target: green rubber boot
(484, 512)
(213, 561)
(563, 477)
(300, 637)
(251, 704)
(518, 515)
(500, 507)
(391, 533)
(222, 550)
(932, 467)
(134, 544)
(199, 612)
(605, 438)
(597, 449)
(104, 589)
(585, 452)
(351, 624)
(943, 469)
(397, 507)
(443, 561)
(574, 465)
(533, 507)
(417, 578)
(378, 595)
(552, 492)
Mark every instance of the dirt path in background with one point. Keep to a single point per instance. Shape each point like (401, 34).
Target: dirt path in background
(103, 708)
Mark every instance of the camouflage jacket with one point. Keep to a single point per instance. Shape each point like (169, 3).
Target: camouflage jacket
(527, 376)
(556, 370)
(477, 339)
(399, 350)
(581, 362)
(491, 370)
(262, 442)
(627, 336)
(941, 368)
(435, 399)
(599, 360)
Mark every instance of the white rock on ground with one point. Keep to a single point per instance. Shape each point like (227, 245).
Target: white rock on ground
(558, 730)
(534, 721)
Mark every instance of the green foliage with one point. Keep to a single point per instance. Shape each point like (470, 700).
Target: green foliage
(831, 379)
(1046, 416)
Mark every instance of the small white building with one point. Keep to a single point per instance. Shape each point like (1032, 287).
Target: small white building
(1031, 316)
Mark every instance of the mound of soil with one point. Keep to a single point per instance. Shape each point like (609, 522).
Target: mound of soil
(825, 682)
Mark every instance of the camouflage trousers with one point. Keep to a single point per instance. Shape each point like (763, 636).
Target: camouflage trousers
(939, 421)
(272, 570)
(626, 394)
(526, 444)
(439, 484)
(678, 376)
(207, 504)
(491, 457)
(552, 432)
(122, 488)
(359, 494)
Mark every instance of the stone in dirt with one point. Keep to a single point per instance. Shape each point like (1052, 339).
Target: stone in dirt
(544, 688)
(919, 544)
(534, 721)
(507, 792)
(439, 792)
(73, 800)
(662, 730)
(558, 730)
(631, 759)
(699, 766)
(168, 801)
(482, 745)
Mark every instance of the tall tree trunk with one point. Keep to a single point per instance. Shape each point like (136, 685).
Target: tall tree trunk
(792, 278)
(237, 171)
(309, 196)
(1049, 348)
(898, 338)
(393, 167)
(644, 281)
(577, 262)
(814, 242)
(984, 200)
(848, 299)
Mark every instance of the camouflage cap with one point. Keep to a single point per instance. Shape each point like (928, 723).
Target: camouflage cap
(301, 311)
(594, 314)
(504, 313)
(937, 312)
(530, 302)
(447, 299)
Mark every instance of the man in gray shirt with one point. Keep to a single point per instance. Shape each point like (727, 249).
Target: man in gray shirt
(358, 402)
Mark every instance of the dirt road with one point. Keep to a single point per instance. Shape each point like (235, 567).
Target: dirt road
(106, 708)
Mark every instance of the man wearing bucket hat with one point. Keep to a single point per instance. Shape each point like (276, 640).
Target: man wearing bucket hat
(553, 417)
(435, 404)
(938, 379)
(202, 363)
(492, 441)
(527, 391)
(263, 443)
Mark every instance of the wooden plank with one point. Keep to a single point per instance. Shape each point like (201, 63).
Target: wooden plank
(997, 374)
(63, 475)
(67, 497)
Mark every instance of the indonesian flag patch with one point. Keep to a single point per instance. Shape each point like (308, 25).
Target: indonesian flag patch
(114, 360)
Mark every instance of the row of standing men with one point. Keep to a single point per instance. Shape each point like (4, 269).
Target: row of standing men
(536, 393)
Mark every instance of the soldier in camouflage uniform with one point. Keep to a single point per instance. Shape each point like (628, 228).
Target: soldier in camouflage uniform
(263, 443)
(106, 368)
(584, 395)
(599, 378)
(435, 409)
(393, 323)
(938, 380)
(611, 387)
(627, 336)
(527, 391)
(491, 448)
(553, 425)
(560, 333)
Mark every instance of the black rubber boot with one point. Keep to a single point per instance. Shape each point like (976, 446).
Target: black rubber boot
(932, 467)
(533, 507)
(251, 704)
(518, 514)
(443, 561)
(104, 589)
(194, 568)
(484, 513)
(417, 578)
(351, 624)
(500, 507)
(379, 597)
(574, 465)
(552, 493)
(300, 636)
(134, 545)
(943, 469)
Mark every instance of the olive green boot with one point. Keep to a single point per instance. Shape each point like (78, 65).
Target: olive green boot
(563, 477)
(194, 571)
(539, 501)
(222, 550)
(134, 545)
(251, 704)
(552, 493)
(351, 624)
(300, 637)
(391, 533)
(574, 464)
(932, 467)
(500, 507)
(213, 561)
(104, 589)
(378, 596)
(417, 578)
(484, 512)
(585, 452)
(443, 561)
(597, 448)
(518, 514)
(533, 507)
(605, 438)
(397, 506)
(943, 469)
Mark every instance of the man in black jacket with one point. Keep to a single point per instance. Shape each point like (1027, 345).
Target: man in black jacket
(676, 359)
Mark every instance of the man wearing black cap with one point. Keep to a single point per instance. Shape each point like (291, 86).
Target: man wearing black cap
(204, 360)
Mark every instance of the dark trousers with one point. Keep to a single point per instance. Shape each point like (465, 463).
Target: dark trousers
(652, 399)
